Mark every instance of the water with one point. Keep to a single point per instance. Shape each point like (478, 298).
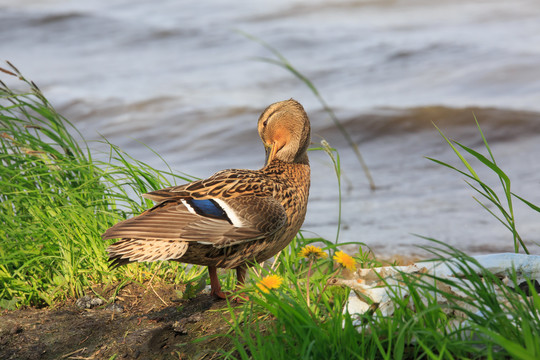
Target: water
(179, 77)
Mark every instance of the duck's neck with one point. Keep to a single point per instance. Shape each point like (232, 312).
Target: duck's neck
(302, 159)
(277, 165)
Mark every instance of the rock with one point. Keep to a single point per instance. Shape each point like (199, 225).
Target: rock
(206, 290)
(114, 307)
(88, 302)
(180, 325)
(16, 329)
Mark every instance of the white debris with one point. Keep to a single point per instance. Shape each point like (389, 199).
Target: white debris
(374, 288)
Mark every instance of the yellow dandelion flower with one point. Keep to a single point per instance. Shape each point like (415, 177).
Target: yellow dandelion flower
(269, 282)
(345, 260)
(310, 251)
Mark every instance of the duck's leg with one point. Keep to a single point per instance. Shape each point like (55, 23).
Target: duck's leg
(240, 276)
(215, 286)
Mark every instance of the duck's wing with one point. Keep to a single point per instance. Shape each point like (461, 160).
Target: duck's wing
(227, 209)
(224, 184)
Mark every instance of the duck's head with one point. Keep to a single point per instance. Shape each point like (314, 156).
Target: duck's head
(285, 132)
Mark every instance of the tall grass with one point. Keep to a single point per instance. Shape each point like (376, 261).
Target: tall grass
(503, 203)
(56, 200)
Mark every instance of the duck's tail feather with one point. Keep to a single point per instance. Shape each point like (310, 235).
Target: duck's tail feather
(127, 251)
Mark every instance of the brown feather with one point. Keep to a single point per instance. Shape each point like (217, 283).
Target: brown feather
(137, 250)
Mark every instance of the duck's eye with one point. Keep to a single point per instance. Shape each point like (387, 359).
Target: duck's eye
(265, 122)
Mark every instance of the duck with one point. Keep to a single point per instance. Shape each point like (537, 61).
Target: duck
(236, 217)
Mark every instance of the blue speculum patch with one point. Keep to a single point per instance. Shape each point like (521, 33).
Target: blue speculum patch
(208, 208)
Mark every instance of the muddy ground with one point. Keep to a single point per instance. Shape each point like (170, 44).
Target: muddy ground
(142, 323)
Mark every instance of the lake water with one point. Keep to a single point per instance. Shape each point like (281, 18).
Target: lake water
(180, 77)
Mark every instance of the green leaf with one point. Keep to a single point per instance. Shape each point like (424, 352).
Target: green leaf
(528, 203)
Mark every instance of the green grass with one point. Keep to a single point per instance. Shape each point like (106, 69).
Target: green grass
(56, 200)
(503, 203)
(282, 324)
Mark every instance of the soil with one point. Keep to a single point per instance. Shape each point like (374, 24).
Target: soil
(142, 323)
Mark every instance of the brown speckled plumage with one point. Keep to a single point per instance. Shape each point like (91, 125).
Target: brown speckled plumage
(234, 217)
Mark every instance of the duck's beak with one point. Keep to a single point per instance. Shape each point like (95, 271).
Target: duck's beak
(270, 152)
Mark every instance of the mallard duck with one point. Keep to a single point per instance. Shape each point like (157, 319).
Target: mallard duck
(234, 218)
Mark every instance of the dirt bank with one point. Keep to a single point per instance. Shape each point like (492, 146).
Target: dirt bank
(143, 323)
